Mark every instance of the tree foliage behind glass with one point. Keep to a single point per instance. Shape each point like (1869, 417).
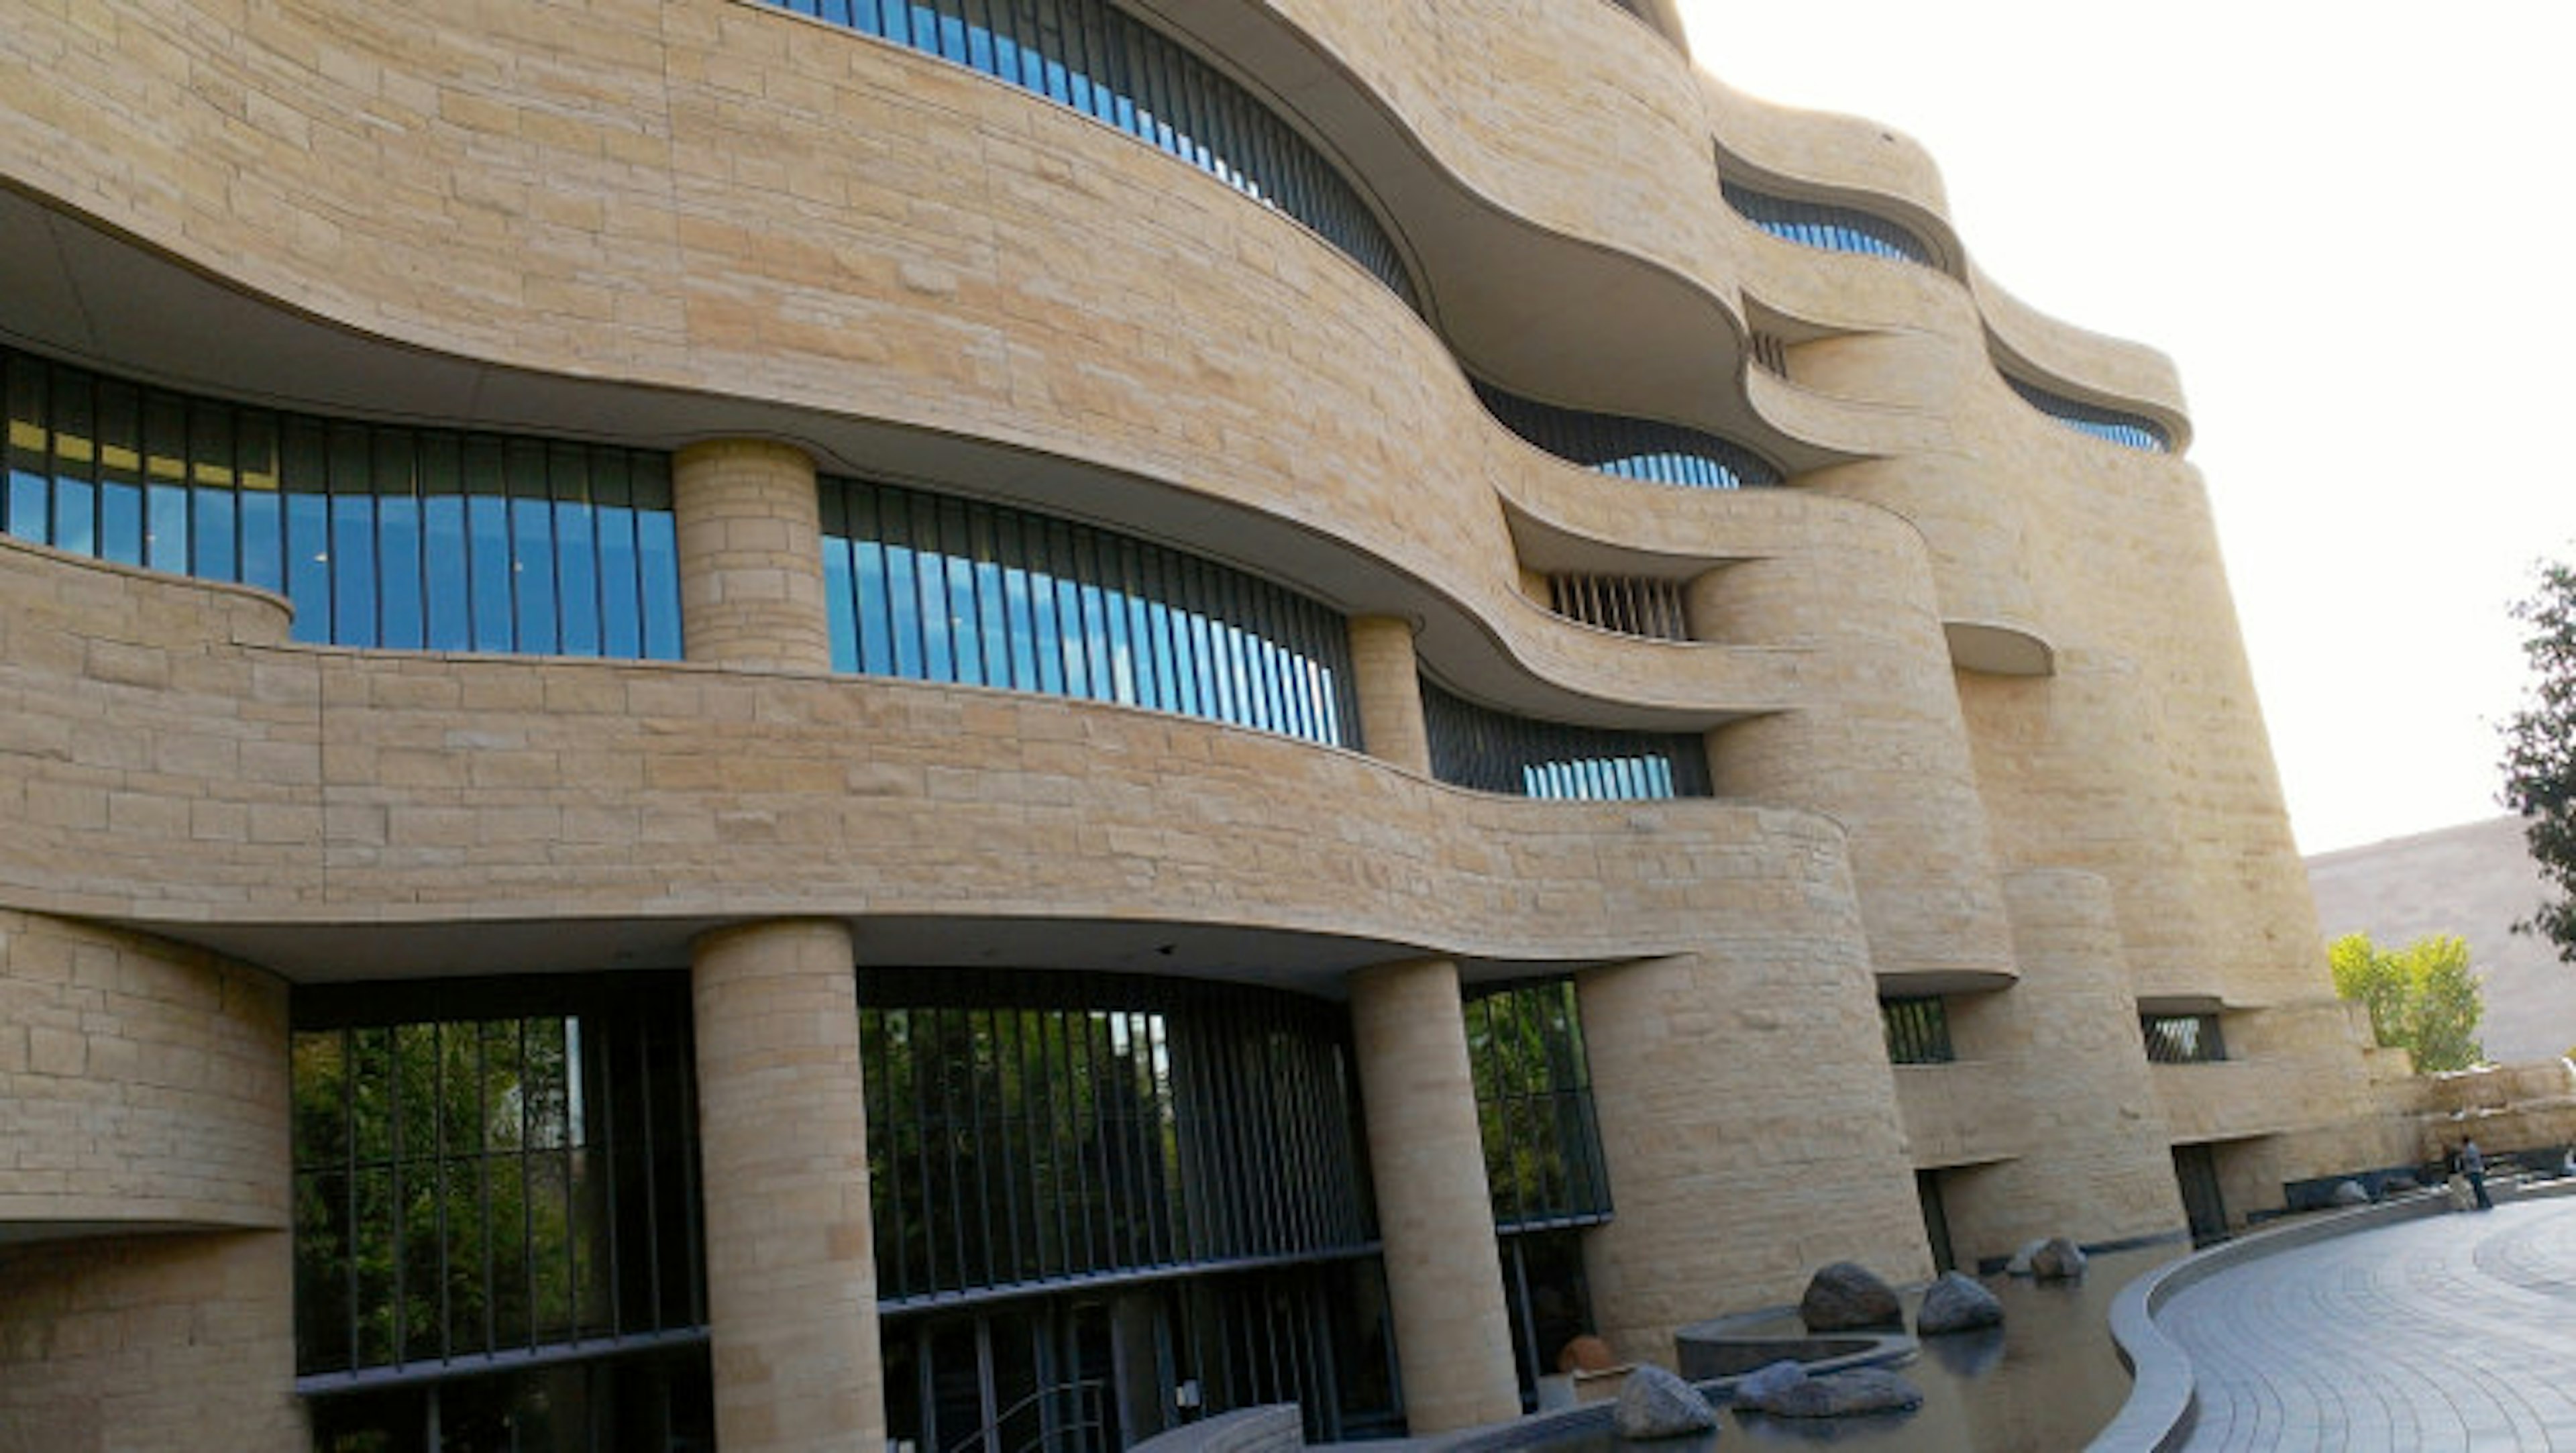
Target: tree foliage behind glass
(466, 1187)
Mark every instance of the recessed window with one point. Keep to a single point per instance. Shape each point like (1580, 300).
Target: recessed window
(2129, 431)
(1631, 605)
(2182, 1039)
(1642, 449)
(1918, 1030)
(933, 588)
(1534, 1105)
(1827, 227)
(1055, 1127)
(1492, 751)
(477, 1191)
(403, 538)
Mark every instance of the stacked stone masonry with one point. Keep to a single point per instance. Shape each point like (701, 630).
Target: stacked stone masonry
(1969, 686)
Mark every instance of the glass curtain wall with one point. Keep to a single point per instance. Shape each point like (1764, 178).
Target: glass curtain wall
(2129, 431)
(1826, 227)
(492, 1174)
(934, 588)
(1534, 1105)
(1030, 1129)
(1490, 751)
(1543, 1161)
(1095, 58)
(405, 538)
(1630, 448)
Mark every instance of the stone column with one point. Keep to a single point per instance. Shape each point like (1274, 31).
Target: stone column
(2094, 1158)
(1389, 687)
(751, 555)
(1876, 741)
(1443, 1272)
(791, 1261)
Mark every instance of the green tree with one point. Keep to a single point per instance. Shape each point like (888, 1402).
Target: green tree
(2540, 753)
(2422, 998)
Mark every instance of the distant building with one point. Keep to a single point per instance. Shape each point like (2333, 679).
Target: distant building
(2475, 881)
(984, 724)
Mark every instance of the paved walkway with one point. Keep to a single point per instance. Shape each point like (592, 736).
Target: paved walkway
(2452, 1332)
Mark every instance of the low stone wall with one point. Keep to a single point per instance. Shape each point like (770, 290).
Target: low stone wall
(2494, 1087)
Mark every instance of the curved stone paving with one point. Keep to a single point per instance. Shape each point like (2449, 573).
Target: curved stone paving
(2452, 1332)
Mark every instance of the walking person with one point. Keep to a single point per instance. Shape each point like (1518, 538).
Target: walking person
(2474, 1166)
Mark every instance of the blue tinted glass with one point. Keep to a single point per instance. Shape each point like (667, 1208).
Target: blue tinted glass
(120, 523)
(965, 631)
(1097, 671)
(1008, 599)
(1146, 657)
(840, 611)
(1118, 654)
(446, 586)
(353, 538)
(262, 518)
(658, 560)
(1071, 633)
(1016, 609)
(26, 508)
(73, 465)
(165, 528)
(532, 568)
(308, 563)
(903, 611)
(400, 619)
(211, 532)
(487, 528)
(75, 515)
(577, 577)
(991, 627)
(876, 645)
(263, 540)
(119, 443)
(30, 506)
(621, 596)
(1047, 633)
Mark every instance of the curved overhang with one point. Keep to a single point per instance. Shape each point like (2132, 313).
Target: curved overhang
(1591, 310)
(2088, 367)
(1999, 650)
(353, 814)
(1934, 981)
(81, 293)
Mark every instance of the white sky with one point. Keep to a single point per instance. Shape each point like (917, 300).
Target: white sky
(2350, 226)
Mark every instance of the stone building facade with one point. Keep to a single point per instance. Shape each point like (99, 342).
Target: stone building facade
(800, 725)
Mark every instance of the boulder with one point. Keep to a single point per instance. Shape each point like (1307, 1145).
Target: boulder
(1658, 1404)
(2059, 1260)
(1841, 1395)
(2020, 1263)
(1957, 1303)
(2350, 1193)
(1768, 1380)
(1846, 1295)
